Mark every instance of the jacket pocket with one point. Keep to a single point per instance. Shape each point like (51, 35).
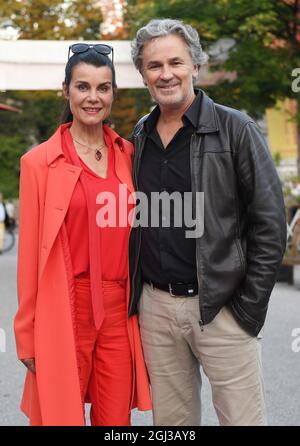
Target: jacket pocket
(250, 324)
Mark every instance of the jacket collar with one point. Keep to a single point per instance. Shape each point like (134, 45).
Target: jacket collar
(54, 144)
(115, 138)
(207, 121)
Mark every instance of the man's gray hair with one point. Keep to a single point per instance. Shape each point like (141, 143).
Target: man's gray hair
(164, 27)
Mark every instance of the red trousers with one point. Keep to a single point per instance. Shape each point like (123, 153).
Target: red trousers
(104, 356)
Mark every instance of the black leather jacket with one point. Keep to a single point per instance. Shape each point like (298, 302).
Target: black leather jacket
(244, 239)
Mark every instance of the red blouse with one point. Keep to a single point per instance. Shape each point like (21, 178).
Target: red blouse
(114, 240)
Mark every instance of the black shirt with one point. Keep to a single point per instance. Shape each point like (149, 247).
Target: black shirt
(166, 254)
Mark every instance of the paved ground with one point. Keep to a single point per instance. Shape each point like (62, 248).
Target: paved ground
(281, 364)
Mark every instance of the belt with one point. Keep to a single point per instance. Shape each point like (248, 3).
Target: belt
(176, 289)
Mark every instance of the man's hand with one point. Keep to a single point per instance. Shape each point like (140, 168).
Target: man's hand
(30, 364)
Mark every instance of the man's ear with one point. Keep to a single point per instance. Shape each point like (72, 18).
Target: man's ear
(196, 71)
(65, 90)
(195, 74)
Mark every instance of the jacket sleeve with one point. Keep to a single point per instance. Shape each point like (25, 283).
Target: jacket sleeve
(261, 190)
(27, 271)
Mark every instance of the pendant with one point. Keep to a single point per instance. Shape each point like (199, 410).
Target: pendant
(98, 155)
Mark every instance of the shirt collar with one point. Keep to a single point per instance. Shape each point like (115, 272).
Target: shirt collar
(191, 115)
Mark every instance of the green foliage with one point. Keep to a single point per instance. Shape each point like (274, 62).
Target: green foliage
(20, 131)
(57, 20)
(291, 191)
(129, 106)
(277, 158)
(11, 148)
(39, 116)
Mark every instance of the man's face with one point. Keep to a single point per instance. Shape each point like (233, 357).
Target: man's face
(168, 71)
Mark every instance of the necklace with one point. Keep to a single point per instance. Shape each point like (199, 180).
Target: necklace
(98, 154)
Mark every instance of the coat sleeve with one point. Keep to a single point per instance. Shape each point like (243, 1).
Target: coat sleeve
(27, 271)
(266, 227)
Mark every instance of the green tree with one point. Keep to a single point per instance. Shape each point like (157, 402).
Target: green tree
(11, 148)
(20, 131)
(128, 107)
(266, 49)
(57, 20)
(39, 117)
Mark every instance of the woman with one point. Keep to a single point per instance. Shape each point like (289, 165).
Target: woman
(72, 330)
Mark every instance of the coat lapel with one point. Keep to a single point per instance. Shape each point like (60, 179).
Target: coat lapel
(61, 181)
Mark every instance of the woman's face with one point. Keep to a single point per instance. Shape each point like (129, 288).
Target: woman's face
(90, 93)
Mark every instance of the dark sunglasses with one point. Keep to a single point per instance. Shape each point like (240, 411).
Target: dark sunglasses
(103, 49)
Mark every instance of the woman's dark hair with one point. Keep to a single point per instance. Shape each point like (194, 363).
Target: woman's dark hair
(90, 57)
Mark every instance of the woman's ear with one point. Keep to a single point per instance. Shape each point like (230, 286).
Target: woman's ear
(65, 89)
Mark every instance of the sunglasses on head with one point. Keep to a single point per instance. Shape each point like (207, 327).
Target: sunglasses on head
(103, 49)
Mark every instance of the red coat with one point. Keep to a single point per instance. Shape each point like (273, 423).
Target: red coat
(44, 322)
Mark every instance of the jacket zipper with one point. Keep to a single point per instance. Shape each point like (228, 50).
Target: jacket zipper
(201, 321)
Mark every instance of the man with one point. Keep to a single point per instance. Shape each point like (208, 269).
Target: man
(202, 300)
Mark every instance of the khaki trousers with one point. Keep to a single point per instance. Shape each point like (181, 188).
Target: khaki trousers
(175, 349)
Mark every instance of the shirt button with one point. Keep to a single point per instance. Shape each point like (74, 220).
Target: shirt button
(166, 161)
(53, 165)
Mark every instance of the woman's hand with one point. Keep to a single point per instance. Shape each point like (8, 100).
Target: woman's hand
(30, 364)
